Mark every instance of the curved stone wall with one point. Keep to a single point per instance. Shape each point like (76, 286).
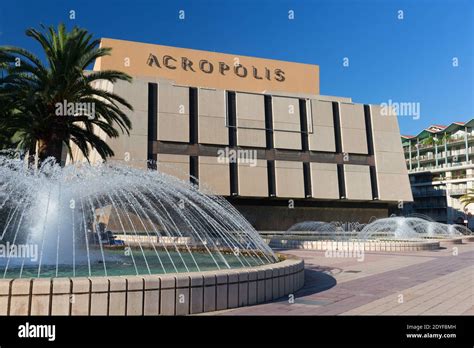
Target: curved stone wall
(367, 245)
(468, 239)
(170, 294)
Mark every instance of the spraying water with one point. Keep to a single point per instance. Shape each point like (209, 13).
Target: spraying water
(84, 220)
(394, 227)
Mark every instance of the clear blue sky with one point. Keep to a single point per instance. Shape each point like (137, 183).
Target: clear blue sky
(407, 60)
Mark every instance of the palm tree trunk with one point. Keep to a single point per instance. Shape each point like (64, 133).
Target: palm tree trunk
(31, 155)
(50, 148)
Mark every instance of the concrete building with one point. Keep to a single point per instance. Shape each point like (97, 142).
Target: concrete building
(440, 166)
(258, 132)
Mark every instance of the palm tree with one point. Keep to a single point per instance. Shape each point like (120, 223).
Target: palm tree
(468, 198)
(35, 93)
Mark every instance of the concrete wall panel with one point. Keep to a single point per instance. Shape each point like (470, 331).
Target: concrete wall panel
(250, 113)
(214, 176)
(253, 180)
(289, 179)
(212, 117)
(324, 181)
(357, 180)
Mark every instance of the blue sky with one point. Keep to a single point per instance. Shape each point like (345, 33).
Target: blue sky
(409, 60)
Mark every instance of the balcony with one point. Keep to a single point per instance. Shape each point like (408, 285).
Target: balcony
(450, 142)
(458, 192)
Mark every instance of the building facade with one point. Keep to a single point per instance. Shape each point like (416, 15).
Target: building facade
(440, 164)
(280, 153)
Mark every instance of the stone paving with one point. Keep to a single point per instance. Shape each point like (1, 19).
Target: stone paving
(409, 283)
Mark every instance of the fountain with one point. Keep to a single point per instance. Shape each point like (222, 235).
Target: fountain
(399, 227)
(395, 233)
(110, 221)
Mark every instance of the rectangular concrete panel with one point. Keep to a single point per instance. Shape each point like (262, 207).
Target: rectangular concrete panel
(281, 284)
(253, 179)
(250, 115)
(81, 288)
(354, 141)
(135, 296)
(182, 301)
(130, 150)
(275, 285)
(387, 186)
(353, 133)
(324, 180)
(214, 176)
(289, 179)
(20, 298)
(117, 296)
(175, 165)
(168, 295)
(390, 162)
(135, 93)
(392, 176)
(387, 141)
(286, 123)
(357, 179)
(40, 296)
(182, 294)
(212, 117)
(173, 113)
(384, 119)
(261, 286)
(61, 298)
(321, 113)
(252, 287)
(151, 304)
(243, 289)
(4, 295)
(233, 299)
(221, 290)
(322, 139)
(209, 292)
(197, 294)
(99, 295)
(268, 284)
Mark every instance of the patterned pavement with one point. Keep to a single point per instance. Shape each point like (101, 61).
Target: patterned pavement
(418, 283)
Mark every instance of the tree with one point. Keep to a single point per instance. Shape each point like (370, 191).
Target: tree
(36, 94)
(468, 198)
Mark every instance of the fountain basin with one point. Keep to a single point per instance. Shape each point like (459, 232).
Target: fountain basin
(468, 239)
(354, 245)
(167, 294)
(170, 294)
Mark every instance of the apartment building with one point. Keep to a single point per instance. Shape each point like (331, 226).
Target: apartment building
(440, 165)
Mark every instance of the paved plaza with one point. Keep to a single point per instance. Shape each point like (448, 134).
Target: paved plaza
(438, 282)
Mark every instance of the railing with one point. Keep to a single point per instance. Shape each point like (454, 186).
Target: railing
(450, 141)
(458, 192)
(439, 166)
